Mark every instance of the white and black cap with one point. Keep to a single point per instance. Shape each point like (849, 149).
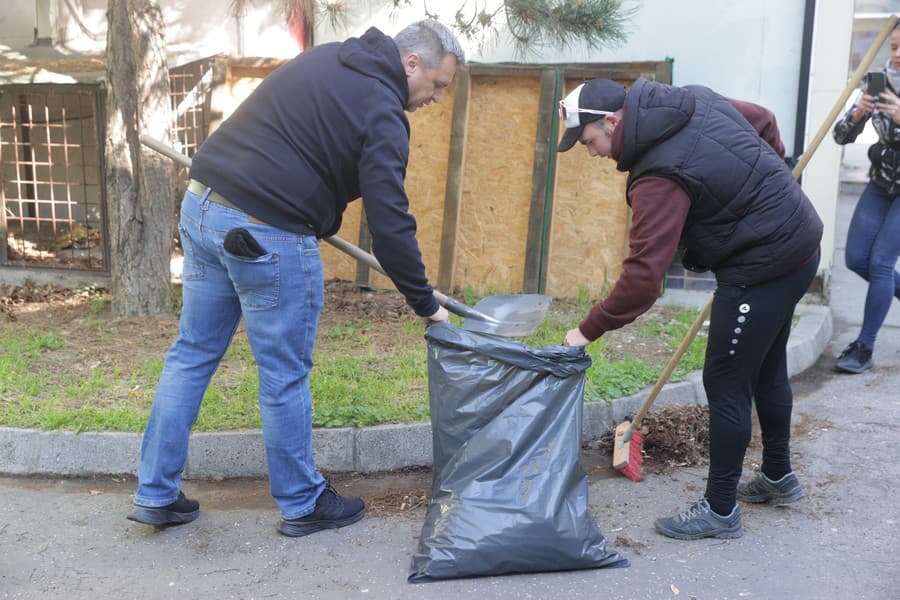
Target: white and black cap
(589, 102)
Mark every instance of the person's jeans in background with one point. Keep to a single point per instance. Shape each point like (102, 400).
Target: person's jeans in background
(873, 246)
(280, 296)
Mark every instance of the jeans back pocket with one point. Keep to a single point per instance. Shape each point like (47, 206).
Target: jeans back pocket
(256, 280)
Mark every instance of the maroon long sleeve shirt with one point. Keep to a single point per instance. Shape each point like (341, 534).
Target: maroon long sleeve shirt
(659, 209)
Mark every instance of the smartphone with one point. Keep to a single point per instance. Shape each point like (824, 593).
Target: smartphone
(875, 83)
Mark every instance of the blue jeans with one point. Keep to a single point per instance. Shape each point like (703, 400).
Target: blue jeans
(280, 296)
(873, 246)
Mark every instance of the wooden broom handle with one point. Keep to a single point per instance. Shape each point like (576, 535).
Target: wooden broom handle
(798, 169)
(673, 362)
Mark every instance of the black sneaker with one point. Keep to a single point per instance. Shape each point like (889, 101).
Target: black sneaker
(856, 358)
(183, 510)
(761, 489)
(699, 521)
(332, 511)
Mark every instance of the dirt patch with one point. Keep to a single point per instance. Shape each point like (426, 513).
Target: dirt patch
(626, 542)
(678, 436)
(344, 300)
(96, 338)
(674, 436)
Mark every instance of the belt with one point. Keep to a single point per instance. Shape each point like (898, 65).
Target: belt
(195, 187)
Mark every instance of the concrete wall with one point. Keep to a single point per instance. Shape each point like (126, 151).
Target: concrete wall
(828, 76)
(17, 22)
(193, 29)
(757, 45)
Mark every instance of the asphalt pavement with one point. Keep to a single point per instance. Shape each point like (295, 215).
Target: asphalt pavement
(68, 538)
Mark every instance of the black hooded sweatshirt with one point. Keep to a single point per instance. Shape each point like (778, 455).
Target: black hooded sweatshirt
(324, 129)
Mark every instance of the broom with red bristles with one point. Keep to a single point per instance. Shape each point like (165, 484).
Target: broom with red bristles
(628, 443)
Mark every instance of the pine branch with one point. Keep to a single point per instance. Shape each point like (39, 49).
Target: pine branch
(533, 24)
(333, 12)
(566, 23)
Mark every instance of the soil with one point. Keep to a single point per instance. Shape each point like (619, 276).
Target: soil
(674, 437)
(83, 317)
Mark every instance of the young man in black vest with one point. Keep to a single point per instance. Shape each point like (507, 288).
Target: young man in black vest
(707, 179)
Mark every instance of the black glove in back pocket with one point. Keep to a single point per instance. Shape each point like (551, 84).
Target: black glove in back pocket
(239, 242)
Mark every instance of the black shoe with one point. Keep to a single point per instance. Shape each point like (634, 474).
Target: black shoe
(183, 510)
(332, 511)
(856, 358)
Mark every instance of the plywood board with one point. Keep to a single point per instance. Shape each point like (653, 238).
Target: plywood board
(337, 264)
(589, 228)
(493, 226)
(589, 221)
(426, 181)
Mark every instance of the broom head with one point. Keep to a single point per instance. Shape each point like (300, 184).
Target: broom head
(627, 455)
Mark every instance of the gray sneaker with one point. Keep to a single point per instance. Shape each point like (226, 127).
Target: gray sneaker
(760, 489)
(699, 521)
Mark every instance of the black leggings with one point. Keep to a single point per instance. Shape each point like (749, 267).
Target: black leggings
(746, 359)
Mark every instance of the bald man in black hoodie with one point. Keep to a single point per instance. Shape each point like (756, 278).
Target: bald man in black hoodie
(324, 129)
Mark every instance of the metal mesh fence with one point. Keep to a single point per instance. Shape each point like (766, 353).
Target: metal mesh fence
(52, 195)
(51, 191)
(191, 96)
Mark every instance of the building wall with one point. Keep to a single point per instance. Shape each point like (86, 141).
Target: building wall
(757, 44)
(828, 77)
(193, 29)
(17, 22)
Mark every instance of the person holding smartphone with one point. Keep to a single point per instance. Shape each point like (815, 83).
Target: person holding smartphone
(873, 239)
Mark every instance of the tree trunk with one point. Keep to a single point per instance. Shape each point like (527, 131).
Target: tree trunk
(139, 182)
(300, 22)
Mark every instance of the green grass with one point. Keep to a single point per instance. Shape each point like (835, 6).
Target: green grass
(364, 374)
(357, 383)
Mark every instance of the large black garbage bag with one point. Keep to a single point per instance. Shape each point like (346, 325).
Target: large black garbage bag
(509, 494)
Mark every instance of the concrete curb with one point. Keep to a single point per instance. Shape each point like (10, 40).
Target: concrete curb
(369, 449)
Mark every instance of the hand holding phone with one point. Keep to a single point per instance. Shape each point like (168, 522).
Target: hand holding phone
(875, 84)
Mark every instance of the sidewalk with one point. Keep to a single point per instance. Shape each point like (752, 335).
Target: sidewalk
(68, 538)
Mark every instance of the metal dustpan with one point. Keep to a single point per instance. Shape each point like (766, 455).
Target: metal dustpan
(507, 315)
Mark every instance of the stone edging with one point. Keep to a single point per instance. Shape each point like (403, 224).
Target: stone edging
(368, 449)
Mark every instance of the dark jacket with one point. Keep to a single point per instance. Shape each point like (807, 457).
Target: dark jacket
(749, 220)
(884, 155)
(322, 130)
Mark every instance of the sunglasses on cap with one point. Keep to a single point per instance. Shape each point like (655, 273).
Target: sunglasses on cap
(567, 112)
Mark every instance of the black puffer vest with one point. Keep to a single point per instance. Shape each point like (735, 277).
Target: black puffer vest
(749, 220)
